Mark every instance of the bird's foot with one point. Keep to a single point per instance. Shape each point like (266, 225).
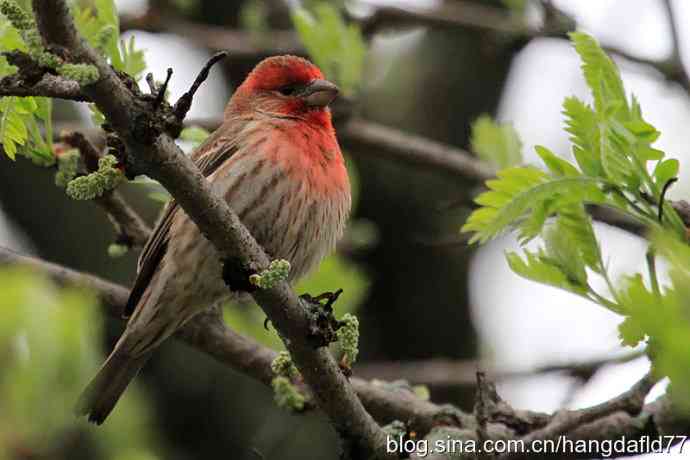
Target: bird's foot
(345, 367)
(323, 323)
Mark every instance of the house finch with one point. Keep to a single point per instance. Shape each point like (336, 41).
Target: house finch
(276, 161)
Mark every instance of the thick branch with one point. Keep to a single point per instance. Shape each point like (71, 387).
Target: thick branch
(630, 402)
(622, 415)
(459, 13)
(485, 18)
(240, 44)
(449, 372)
(209, 334)
(157, 154)
(48, 86)
(412, 150)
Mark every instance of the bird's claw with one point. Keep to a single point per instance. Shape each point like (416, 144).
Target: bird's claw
(323, 324)
(329, 297)
(345, 368)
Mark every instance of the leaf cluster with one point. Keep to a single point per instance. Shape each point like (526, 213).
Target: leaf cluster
(617, 167)
(496, 143)
(95, 184)
(99, 24)
(26, 122)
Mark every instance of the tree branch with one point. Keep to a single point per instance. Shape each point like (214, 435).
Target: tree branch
(48, 86)
(413, 150)
(458, 14)
(158, 155)
(630, 402)
(367, 138)
(489, 19)
(623, 415)
(208, 333)
(676, 60)
(449, 372)
(240, 44)
(130, 227)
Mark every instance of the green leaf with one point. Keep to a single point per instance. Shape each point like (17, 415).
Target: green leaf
(497, 143)
(557, 165)
(576, 225)
(134, 62)
(87, 24)
(515, 6)
(666, 170)
(520, 190)
(644, 310)
(10, 39)
(13, 132)
(50, 339)
(615, 160)
(601, 74)
(100, 26)
(642, 130)
(194, 134)
(581, 123)
(537, 267)
(647, 153)
(631, 332)
(336, 47)
(564, 254)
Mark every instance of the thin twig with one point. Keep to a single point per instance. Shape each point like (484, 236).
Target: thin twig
(485, 399)
(164, 87)
(131, 228)
(662, 198)
(183, 104)
(676, 59)
(630, 402)
(449, 372)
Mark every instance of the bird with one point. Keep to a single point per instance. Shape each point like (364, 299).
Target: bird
(276, 161)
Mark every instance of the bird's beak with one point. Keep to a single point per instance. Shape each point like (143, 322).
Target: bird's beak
(320, 93)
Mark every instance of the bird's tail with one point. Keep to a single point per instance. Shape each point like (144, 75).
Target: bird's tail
(101, 394)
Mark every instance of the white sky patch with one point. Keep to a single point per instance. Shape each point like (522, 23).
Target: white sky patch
(523, 324)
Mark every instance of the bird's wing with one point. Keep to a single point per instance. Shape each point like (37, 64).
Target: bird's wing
(211, 154)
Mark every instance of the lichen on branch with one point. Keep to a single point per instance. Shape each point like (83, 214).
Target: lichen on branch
(68, 167)
(276, 272)
(96, 183)
(25, 24)
(285, 393)
(348, 338)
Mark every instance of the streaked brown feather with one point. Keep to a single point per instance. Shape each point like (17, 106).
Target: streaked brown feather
(208, 157)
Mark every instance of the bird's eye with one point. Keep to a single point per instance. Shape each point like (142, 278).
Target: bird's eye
(287, 90)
